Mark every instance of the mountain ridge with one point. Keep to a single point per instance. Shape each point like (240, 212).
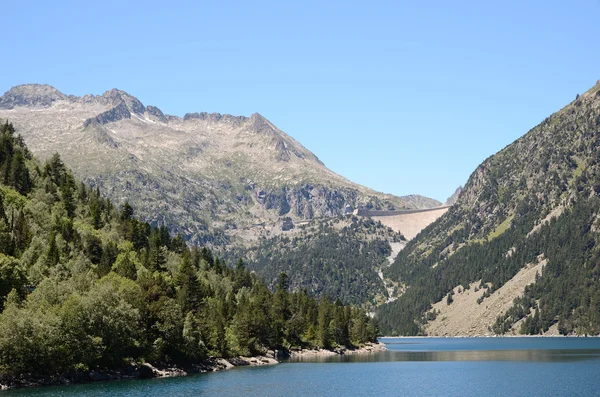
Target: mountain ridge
(211, 165)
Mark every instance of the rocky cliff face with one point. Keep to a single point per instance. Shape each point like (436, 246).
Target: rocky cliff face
(215, 177)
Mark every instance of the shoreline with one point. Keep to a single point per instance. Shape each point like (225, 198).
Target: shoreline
(486, 336)
(136, 371)
(368, 348)
(162, 370)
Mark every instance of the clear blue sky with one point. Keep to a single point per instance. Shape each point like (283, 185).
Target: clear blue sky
(404, 97)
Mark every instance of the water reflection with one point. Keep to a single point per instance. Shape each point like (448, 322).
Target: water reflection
(490, 355)
(476, 349)
(420, 367)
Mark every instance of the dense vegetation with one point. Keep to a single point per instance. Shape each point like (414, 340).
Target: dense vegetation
(568, 293)
(84, 284)
(337, 258)
(498, 226)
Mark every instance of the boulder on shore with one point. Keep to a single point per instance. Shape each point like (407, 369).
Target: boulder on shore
(146, 371)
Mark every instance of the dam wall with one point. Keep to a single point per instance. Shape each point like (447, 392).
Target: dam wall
(407, 222)
(363, 212)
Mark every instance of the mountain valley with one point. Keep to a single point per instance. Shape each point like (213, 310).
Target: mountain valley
(237, 184)
(242, 186)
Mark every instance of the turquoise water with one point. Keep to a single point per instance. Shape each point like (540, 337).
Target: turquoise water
(411, 367)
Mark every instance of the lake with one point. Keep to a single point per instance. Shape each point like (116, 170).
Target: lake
(411, 367)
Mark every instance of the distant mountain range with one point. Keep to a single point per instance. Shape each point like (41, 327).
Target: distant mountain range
(215, 178)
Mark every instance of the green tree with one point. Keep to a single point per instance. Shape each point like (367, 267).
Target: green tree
(52, 253)
(189, 293)
(19, 174)
(324, 339)
(12, 278)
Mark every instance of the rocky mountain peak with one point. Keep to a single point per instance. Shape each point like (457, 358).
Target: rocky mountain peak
(454, 198)
(116, 96)
(155, 114)
(124, 105)
(258, 124)
(39, 95)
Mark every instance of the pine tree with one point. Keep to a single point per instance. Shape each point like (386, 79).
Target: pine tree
(323, 322)
(19, 174)
(68, 197)
(7, 245)
(280, 307)
(52, 253)
(157, 253)
(189, 292)
(242, 276)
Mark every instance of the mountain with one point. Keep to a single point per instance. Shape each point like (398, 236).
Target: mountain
(518, 251)
(87, 288)
(215, 178)
(454, 198)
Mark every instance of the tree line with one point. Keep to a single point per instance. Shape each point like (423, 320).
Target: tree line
(85, 284)
(337, 258)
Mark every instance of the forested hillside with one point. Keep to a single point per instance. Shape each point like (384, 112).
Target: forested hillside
(536, 200)
(84, 284)
(337, 257)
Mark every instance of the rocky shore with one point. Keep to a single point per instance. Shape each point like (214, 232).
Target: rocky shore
(162, 370)
(136, 371)
(366, 349)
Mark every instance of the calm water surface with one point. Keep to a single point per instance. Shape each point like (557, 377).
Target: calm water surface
(411, 367)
